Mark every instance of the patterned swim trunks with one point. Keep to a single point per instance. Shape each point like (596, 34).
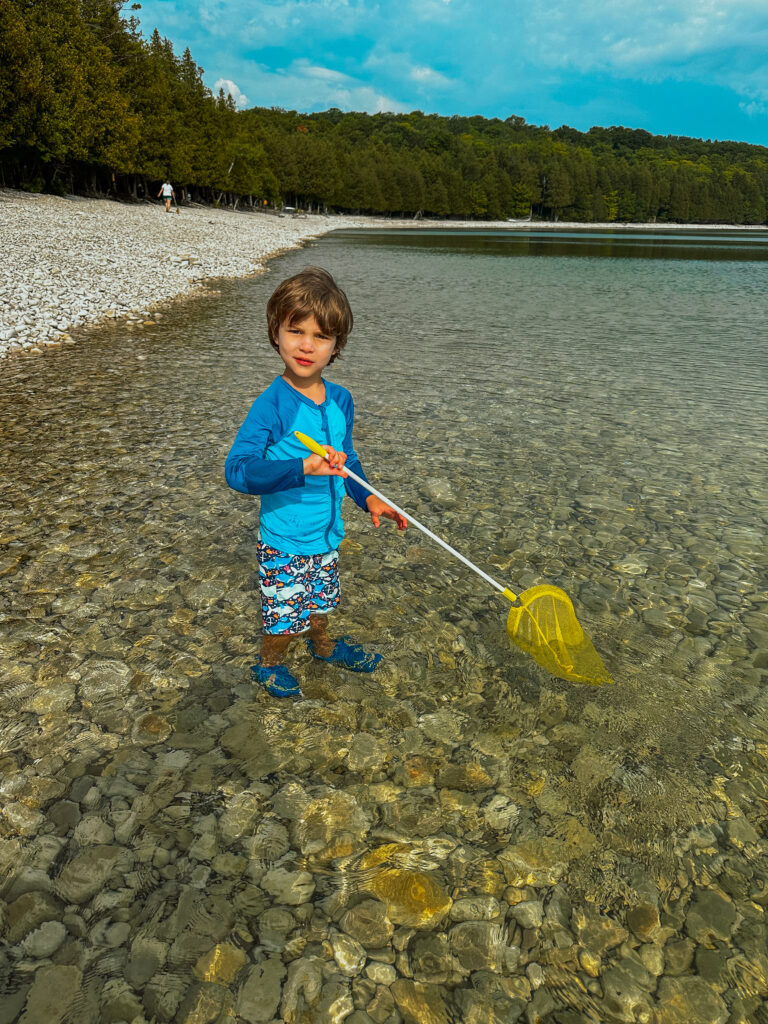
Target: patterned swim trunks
(295, 586)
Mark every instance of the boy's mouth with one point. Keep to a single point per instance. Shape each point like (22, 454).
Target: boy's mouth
(303, 362)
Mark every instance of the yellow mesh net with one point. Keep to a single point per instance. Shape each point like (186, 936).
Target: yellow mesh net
(545, 626)
(542, 621)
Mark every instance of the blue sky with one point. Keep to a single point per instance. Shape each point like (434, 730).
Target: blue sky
(683, 67)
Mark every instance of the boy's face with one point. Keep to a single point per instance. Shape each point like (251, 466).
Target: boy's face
(305, 349)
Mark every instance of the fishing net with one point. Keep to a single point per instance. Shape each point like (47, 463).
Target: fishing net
(541, 622)
(544, 625)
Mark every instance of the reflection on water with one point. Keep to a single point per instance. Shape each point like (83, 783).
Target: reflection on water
(714, 246)
(459, 837)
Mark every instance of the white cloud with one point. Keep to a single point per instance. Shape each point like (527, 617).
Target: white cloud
(306, 87)
(286, 22)
(304, 68)
(401, 67)
(631, 35)
(241, 100)
(754, 108)
(719, 43)
(431, 9)
(430, 77)
(518, 56)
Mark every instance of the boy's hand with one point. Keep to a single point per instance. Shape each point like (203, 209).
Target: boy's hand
(316, 465)
(378, 508)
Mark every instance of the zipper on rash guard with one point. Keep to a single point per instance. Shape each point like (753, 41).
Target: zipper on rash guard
(331, 479)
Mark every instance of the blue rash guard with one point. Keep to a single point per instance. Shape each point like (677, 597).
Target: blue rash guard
(300, 515)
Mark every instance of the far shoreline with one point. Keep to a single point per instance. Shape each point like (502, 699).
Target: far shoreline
(74, 262)
(547, 225)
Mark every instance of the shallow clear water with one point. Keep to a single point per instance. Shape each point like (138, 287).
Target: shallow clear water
(585, 409)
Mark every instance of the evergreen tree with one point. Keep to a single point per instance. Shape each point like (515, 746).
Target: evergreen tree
(87, 102)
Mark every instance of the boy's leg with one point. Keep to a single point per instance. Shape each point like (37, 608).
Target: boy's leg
(325, 594)
(324, 585)
(273, 648)
(318, 634)
(280, 576)
(270, 671)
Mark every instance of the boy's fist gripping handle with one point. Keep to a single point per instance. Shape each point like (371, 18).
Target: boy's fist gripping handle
(318, 449)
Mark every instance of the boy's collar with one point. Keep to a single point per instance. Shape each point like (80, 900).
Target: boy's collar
(304, 398)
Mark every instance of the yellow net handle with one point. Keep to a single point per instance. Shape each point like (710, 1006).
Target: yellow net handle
(318, 449)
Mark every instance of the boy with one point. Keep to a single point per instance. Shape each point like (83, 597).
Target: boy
(308, 320)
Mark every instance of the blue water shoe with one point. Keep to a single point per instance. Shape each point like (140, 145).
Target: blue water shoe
(351, 656)
(276, 680)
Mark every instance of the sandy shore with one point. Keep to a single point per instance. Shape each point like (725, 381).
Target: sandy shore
(73, 261)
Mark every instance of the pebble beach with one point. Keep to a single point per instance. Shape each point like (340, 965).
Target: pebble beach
(71, 261)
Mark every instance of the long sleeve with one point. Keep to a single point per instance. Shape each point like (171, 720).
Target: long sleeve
(246, 469)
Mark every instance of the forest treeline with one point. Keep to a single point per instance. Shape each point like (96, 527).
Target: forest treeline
(88, 104)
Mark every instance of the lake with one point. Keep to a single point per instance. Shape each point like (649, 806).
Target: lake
(459, 837)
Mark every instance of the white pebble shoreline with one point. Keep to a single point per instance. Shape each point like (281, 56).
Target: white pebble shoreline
(73, 261)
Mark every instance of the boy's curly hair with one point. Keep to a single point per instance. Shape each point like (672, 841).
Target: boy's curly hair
(312, 292)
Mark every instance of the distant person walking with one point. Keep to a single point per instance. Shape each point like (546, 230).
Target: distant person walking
(166, 191)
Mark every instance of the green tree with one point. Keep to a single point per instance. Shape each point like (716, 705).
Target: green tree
(557, 192)
(86, 100)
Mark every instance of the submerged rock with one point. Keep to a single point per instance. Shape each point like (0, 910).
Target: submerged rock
(104, 679)
(86, 874)
(52, 994)
(92, 830)
(481, 946)
(710, 917)
(335, 1004)
(348, 954)
(367, 922)
(305, 981)
(528, 913)
(220, 964)
(163, 995)
(27, 913)
(118, 1002)
(431, 960)
(147, 957)
(45, 940)
(366, 753)
(411, 897)
(468, 777)
(627, 998)
(420, 1004)
(689, 1000)
(500, 813)
(268, 843)
(327, 818)
(537, 862)
(291, 887)
(151, 728)
(644, 921)
(273, 926)
(475, 908)
(259, 995)
(596, 932)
